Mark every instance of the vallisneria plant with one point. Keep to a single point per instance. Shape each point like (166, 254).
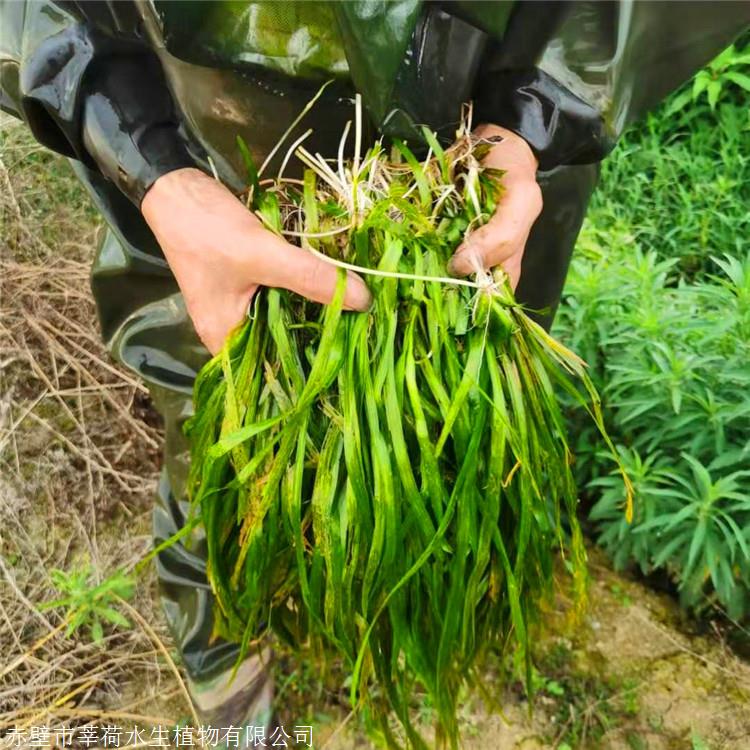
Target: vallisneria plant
(388, 487)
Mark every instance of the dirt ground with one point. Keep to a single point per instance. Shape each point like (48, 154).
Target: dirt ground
(79, 458)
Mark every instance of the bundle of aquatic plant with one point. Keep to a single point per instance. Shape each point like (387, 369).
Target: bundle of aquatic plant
(389, 486)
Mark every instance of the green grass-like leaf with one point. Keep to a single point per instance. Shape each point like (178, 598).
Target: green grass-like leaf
(387, 487)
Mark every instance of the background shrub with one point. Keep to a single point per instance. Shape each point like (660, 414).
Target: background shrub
(658, 303)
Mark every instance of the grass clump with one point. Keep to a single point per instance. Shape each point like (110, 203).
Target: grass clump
(388, 486)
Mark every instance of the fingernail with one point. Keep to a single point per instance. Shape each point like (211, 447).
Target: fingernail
(458, 263)
(359, 293)
(455, 260)
(368, 300)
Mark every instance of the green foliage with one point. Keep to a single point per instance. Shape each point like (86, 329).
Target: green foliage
(616, 534)
(724, 75)
(671, 359)
(91, 605)
(695, 528)
(679, 187)
(658, 303)
(387, 486)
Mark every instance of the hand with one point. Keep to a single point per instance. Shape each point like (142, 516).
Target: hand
(220, 253)
(502, 240)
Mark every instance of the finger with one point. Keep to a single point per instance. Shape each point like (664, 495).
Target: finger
(289, 267)
(213, 323)
(512, 267)
(505, 234)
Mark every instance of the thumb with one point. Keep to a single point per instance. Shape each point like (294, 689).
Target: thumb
(283, 265)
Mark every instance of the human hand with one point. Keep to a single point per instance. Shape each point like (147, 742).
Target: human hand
(220, 253)
(502, 240)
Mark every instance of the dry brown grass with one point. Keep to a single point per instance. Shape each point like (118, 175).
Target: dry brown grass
(79, 455)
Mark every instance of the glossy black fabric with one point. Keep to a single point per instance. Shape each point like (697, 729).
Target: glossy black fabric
(130, 131)
(565, 75)
(102, 98)
(569, 76)
(559, 127)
